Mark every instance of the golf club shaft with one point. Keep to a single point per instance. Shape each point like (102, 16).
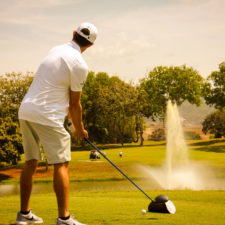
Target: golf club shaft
(86, 139)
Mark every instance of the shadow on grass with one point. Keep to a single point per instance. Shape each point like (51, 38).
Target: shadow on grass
(6, 167)
(143, 219)
(207, 146)
(113, 146)
(4, 177)
(152, 219)
(210, 142)
(217, 149)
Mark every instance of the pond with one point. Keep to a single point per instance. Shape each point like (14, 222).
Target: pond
(13, 189)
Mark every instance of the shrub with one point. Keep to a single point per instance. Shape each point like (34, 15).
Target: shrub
(158, 135)
(10, 141)
(192, 135)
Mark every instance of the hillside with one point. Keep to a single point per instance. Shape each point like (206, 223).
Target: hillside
(194, 115)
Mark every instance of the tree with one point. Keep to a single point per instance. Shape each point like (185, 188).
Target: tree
(179, 83)
(215, 123)
(13, 87)
(120, 108)
(93, 105)
(140, 104)
(214, 88)
(108, 108)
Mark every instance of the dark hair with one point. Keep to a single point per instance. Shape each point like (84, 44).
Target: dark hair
(81, 40)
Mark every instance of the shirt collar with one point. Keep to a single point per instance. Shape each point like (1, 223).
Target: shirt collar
(74, 45)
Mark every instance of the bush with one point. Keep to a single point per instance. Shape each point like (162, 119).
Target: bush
(13, 87)
(10, 141)
(158, 135)
(192, 135)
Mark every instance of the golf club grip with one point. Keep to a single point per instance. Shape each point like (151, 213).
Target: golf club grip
(89, 142)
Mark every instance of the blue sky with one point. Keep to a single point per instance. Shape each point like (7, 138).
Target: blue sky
(134, 35)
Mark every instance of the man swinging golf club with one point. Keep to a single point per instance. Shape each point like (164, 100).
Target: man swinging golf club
(57, 84)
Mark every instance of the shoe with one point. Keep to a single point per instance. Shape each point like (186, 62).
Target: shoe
(30, 218)
(70, 221)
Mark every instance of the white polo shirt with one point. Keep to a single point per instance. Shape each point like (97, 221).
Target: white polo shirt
(47, 99)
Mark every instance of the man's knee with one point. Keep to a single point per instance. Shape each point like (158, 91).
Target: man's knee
(61, 165)
(31, 165)
(61, 174)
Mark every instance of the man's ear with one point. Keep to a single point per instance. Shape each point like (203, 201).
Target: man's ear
(74, 32)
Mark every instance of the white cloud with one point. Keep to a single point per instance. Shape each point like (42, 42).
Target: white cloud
(186, 1)
(45, 3)
(176, 34)
(122, 45)
(133, 41)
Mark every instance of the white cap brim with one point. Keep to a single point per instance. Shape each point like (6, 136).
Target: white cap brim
(92, 29)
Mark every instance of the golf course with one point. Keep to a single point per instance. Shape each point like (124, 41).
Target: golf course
(112, 112)
(100, 195)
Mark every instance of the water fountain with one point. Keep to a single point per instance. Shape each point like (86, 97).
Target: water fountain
(178, 171)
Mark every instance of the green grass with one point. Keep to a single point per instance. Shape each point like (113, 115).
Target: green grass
(209, 152)
(123, 207)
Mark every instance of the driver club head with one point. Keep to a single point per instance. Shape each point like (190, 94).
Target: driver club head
(162, 204)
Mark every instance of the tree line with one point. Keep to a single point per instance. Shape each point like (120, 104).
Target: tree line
(114, 110)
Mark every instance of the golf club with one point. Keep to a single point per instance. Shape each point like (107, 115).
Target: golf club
(160, 204)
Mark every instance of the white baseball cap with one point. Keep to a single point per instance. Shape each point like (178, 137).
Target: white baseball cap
(90, 34)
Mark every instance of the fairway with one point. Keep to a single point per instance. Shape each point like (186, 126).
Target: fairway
(101, 196)
(123, 208)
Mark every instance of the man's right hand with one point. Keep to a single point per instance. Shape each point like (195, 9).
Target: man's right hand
(81, 134)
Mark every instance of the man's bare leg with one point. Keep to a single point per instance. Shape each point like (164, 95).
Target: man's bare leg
(61, 187)
(26, 183)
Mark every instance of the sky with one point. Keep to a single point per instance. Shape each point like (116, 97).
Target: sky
(134, 36)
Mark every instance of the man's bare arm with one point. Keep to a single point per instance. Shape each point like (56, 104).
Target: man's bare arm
(75, 110)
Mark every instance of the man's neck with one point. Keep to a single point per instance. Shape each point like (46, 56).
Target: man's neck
(82, 49)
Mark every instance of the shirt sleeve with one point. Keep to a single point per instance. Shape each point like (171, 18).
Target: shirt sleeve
(78, 77)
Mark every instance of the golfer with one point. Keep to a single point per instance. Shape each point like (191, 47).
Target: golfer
(56, 87)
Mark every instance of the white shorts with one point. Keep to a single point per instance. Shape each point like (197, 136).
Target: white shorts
(56, 142)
